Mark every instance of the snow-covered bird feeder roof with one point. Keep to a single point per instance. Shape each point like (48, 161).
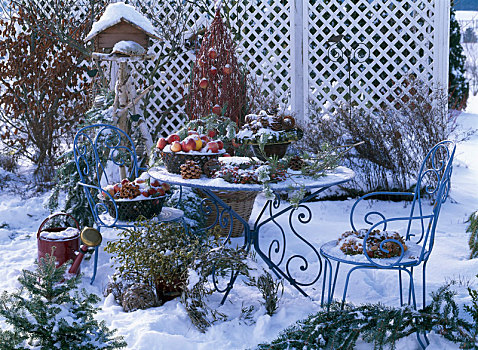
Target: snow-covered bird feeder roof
(121, 22)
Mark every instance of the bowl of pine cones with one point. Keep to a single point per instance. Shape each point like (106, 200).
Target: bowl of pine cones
(351, 243)
(274, 132)
(141, 197)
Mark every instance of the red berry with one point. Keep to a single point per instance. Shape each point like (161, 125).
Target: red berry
(212, 53)
(203, 83)
(151, 191)
(145, 193)
(156, 183)
(217, 110)
(227, 69)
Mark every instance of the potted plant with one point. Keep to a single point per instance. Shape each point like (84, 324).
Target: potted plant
(155, 255)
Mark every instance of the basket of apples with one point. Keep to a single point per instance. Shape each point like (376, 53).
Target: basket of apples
(143, 196)
(199, 148)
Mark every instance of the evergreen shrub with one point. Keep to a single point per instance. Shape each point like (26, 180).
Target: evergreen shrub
(154, 254)
(382, 326)
(49, 312)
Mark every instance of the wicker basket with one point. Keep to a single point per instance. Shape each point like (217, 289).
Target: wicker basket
(273, 149)
(173, 161)
(131, 209)
(241, 202)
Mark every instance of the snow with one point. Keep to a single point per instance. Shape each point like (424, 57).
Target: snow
(168, 327)
(65, 234)
(115, 13)
(341, 174)
(126, 47)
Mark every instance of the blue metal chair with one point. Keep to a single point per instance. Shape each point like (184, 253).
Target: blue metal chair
(98, 149)
(433, 182)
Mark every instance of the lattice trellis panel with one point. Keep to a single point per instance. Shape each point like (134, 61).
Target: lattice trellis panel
(263, 48)
(364, 51)
(382, 43)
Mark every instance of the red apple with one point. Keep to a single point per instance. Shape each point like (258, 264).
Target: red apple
(227, 69)
(173, 137)
(213, 70)
(166, 187)
(220, 144)
(213, 146)
(145, 193)
(204, 139)
(211, 134)
(188, 145)
(217, 110)
(212, 53)
(176, 146)
(203, 83)
(156, 183)
(161, 143)
(124, 181)
(117, 188)
(160, 191)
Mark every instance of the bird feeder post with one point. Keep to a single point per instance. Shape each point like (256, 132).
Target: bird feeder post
(122, 36)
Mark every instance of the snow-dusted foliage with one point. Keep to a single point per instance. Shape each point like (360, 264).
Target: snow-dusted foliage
(50, 313)
(458, 85)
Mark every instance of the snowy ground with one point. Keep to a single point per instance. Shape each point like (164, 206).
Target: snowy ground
(168, 327)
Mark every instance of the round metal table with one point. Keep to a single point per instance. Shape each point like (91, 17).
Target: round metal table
(275, 255)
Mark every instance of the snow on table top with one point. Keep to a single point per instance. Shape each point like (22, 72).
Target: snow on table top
(338, 176)
(113, 15)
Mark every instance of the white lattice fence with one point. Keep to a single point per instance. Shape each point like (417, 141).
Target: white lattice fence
(263, 47)
(287, 45)
(365, 51)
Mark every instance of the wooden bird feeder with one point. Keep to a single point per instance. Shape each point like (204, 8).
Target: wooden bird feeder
(121, 22)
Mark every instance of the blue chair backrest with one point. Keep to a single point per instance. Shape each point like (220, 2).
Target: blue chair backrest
(433, 185)
(97, 149)
(98, 145)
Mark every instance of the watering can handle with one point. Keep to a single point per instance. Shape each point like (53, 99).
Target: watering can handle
(51, 217)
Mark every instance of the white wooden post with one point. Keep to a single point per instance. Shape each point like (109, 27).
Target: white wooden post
(441, 43)
(297, 58)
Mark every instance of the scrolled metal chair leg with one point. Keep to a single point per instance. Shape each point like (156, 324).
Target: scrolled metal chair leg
(400, 286)
(324, 283)
(424, 295)
(95, 265)
(335, 280)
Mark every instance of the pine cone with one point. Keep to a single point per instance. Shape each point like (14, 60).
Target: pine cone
(288, 122)
(276, 123)
(190, 170)
(210, 167)
(274, 109)
(129, 190)
(296, 163)
(264, 121)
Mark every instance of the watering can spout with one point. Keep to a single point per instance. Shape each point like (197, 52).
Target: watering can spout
(91, 237)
